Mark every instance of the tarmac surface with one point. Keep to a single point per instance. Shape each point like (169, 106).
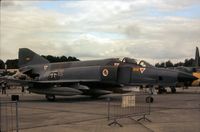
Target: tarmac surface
(178, 112)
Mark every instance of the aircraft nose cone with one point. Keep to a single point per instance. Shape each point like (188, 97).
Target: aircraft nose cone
(186, 77)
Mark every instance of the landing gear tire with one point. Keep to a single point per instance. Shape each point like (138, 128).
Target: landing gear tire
(173, 89)
(50, 97)
(95, 96)
(161, 90)
(149, 99)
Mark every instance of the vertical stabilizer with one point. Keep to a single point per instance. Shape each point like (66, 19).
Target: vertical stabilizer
(197, 58)
(28, 57)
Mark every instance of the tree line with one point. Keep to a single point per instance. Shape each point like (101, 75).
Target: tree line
(13, 63)
(186, 63)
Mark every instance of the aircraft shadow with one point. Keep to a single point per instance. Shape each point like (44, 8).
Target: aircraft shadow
(70, 99)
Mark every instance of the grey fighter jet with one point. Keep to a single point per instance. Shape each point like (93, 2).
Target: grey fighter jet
(195, 71)
(195, 68)
(93, 78)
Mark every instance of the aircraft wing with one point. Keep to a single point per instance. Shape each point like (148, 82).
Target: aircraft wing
(26, 82)
(14, 80)
(67, 81)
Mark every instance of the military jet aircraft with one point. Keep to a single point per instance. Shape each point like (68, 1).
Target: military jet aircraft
(195, 70)
(93, 78)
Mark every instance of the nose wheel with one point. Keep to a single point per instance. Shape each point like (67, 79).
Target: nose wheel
(50, 97)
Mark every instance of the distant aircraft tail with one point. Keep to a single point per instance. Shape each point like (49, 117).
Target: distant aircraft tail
(28, 57)
(197, 58)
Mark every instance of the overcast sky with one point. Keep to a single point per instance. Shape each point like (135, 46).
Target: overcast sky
(154, 30)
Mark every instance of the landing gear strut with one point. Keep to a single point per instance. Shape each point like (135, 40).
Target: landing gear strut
(173, 89)
(161, 90)
(50, 97)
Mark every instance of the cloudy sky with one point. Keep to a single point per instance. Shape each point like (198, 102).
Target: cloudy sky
(154, 30)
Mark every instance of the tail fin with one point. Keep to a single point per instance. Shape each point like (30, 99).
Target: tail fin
(28, 57)
(197, 58)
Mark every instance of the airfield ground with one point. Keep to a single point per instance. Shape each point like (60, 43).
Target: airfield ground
(178, 112)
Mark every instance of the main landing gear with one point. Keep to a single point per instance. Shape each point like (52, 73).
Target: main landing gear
(173, 89)
(161, 90)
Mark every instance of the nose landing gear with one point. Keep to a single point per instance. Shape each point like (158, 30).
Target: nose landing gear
(50, 97)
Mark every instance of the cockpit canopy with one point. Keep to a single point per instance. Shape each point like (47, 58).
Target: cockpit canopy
(145, 64)
(136, 62)
(129, 60)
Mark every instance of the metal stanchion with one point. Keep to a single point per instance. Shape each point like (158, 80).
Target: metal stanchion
(17, 117)
(9, 116)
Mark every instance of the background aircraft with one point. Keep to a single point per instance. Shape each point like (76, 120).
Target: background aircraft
(94, 78)
(192, 70)
(195, 71)
(195, 68)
